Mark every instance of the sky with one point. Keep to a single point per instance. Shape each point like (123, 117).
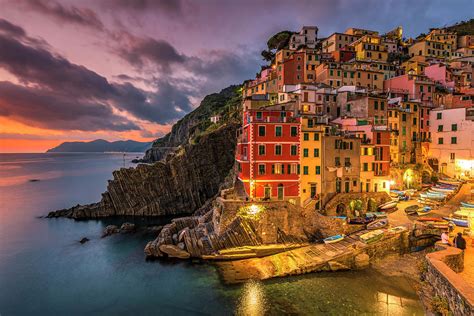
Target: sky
(128, 69)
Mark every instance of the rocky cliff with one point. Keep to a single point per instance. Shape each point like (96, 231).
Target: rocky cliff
(180, 184)
(225, 103)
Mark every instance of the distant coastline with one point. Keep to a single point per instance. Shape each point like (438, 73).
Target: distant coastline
(101, 146)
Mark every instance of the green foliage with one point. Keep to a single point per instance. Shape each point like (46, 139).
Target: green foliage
(356, 205)
(276, 42)
(279, 40)
(463, 27)
(440, 305)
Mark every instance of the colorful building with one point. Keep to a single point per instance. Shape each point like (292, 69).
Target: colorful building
(452, 150)
(268, 154)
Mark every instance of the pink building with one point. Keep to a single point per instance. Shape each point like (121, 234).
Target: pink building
(452, 148)
(441, 74)
(417, 87)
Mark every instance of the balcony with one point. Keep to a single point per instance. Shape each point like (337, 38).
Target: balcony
(273, 120)
(380, 173)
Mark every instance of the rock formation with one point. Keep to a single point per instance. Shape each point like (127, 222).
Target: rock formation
(179, 185)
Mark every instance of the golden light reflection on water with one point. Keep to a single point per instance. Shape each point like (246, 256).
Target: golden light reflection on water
(252, 301)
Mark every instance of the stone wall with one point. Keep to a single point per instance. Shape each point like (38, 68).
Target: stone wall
(446, 283)
(345, 198)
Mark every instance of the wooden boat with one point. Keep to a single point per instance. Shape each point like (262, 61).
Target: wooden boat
(389, 210)
(380, 223)
(372, 236)
(361, 220)
(466, 209)
(442, 190)
(433, 193)
(432, 197)
(410, 210)
(425, 210)
(451, 182)
(468, 205)
(376, 214)
(440, 225)
(333, 239)
(387, 205)
(396, 229)
(457, 221)
(430, 219)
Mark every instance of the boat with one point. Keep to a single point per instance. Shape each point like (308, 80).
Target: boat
(469, 205)
(433, 193)
(389, 210)
(430, 219)
(396, 229)
(340, 217)
(333, 239)
(380, 223)
(361, 220)
(432, 196)
(425, 210)
(457, 221)
(443, 190)
(410, 210)
(466, 209)
(388, 205)
(372, 236)
(376, 214)
(451, 182)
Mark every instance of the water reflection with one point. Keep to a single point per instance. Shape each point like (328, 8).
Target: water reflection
(252, 300)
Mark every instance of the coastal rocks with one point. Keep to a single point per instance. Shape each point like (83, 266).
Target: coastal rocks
(127, 228)
(179, 185)
(174, 251)
(110, 230)
(361, 261)
(84, 240)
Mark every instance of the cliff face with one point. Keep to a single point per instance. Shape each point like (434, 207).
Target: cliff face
(193, 124)
(180, 184)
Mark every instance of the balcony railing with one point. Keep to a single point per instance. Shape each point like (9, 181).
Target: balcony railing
(270, 119)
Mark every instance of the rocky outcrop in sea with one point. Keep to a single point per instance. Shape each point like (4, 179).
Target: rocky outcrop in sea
(179, 184)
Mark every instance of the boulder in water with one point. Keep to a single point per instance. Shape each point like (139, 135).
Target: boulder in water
(174, 251)
(110, 230)
(127, 228)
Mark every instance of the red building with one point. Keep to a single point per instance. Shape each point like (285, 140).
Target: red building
(268, 154)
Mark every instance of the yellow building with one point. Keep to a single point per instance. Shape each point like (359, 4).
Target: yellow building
(403, 121)
(415, 65)
(430, 49)
(443, 36)
(370, 47)
(312, 132)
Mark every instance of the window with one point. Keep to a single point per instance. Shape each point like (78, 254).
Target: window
(294, 150)
(440, 128)
(278, 131)
(278, 150)
(310, 123)
(454, 140)
(318, 169)
(259, 115)
(305, 136)
(294, 131)
(454, 127)
(382, 105)
(305, 152)
(316, 152)
(414, 121)
(452, 156)
(316, 136)
(347, 162)
(337, 161)
(440, 141)
(376, 105)
(261, 150)
(261, 131)
(404, 117)
(348, 107)
(305, 170)
(261, 169)
(365, 166)
(439, 116)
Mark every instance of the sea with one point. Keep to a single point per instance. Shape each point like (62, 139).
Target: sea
(44, 270)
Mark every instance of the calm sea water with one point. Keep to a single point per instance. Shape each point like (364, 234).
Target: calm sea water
(44, 270)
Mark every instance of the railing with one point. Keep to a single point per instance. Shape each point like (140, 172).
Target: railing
(273, 120)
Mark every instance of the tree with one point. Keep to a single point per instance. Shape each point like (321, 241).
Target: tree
(276, 42)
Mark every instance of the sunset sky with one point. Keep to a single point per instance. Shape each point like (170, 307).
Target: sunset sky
(118, 69)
